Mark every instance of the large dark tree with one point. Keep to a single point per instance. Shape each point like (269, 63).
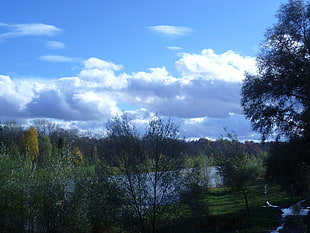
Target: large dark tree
(277, 100)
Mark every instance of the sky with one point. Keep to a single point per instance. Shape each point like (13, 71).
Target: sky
(81, 62)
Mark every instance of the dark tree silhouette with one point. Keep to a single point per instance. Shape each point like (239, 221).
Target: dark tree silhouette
(277, 100)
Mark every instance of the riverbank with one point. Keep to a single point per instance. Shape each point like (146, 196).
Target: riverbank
(221, 210)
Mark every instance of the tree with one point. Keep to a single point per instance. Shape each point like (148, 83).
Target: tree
(237, 167)
(277, 100)
(150, 165)
(94, 159)
(164, 153)
(78, 156)
(45, 149)
(31, 143)
(45, 126)
(10, 135)
(124, 151)
(288, 166)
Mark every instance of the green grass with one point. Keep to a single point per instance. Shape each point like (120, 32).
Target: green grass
(227, 212)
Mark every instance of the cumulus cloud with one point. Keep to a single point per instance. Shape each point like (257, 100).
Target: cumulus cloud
(101, 75)
(31, 29)
(204, 96)
(228, 66)
(170, 31)
(94, 62)
(14, 96)
(209, 85)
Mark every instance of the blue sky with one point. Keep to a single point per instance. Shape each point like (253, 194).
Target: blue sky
(82, 62)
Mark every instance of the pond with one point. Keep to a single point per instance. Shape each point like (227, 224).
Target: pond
(166, 186)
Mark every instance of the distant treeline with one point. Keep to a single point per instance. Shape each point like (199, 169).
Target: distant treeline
(53, 139)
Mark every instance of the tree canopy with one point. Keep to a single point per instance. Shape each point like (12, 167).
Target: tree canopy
(31, 143)
(277, 99)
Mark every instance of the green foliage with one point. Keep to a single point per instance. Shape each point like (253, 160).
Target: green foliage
(277, 100)
(39, 200)
(122, 183)
(288, 166)
(10, 135)
(94, 156)
(45, 149)
(228, 213)
(238, 168)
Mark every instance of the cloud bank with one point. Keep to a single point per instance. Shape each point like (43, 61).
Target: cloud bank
(204, 96)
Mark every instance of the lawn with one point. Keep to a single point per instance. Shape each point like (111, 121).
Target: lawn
(221, 210)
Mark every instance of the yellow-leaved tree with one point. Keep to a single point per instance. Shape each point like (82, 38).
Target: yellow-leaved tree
(78, 157)
(31, 143)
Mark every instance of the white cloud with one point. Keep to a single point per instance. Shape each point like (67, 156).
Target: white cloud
(97, 78)
(95, 104)
(14, 96)
(101, 74)
(174, 48)
(94, 62)
(204, 97)
(32, 29)
(170, 31)
(156, 75)
(229, 66)
(209, 85)
(55, 44)
(56, 58)
(214, 127)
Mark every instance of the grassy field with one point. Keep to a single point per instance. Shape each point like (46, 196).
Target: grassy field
(221, 210)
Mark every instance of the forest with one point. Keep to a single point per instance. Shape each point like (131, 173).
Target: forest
(57, 180)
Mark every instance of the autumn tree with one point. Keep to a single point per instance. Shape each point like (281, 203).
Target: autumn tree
(31, 143)
(78, 156)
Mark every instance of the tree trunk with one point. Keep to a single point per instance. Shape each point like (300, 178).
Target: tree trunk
(245, 196)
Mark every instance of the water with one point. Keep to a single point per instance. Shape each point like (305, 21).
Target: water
(169, 184)
(294, 210)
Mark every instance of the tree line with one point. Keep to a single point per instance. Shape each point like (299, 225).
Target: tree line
(54, 180)
(45, 138)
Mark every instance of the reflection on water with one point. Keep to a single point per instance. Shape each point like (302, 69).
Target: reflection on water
(294, 210)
